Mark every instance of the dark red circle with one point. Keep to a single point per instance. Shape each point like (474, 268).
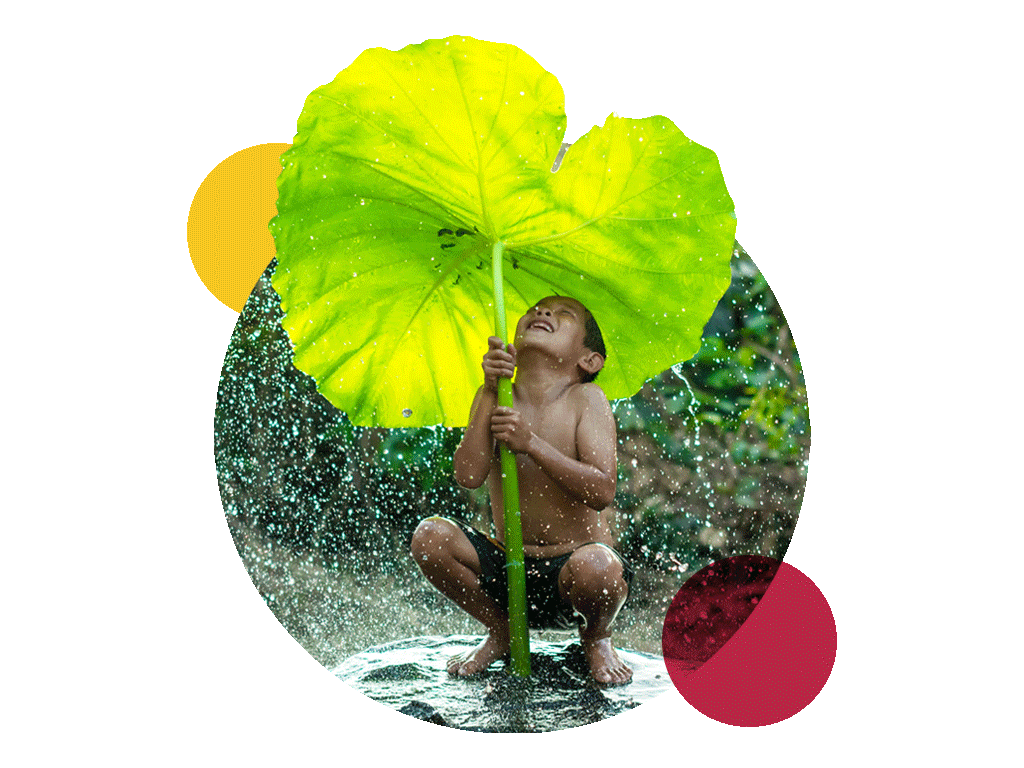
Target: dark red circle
(749, 641)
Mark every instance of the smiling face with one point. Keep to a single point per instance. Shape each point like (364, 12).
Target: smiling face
(557, 326)
(555, 317)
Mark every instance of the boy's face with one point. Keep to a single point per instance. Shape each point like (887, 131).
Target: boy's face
(555, 324)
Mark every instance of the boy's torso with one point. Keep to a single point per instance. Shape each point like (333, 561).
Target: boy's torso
(553, 522)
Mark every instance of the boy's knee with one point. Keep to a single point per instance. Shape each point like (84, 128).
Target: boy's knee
(594, 568)
(430, 536)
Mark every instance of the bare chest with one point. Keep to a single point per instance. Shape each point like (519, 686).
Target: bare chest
(555, 423)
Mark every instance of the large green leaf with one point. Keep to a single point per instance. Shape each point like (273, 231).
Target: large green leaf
(410, 165)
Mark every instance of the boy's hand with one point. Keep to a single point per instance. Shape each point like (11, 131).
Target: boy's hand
(498, 362)
(507, 427)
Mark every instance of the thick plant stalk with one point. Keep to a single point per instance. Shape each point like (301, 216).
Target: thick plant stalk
(519, 631)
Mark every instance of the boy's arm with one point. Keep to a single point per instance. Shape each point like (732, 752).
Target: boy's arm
(591, 479)
(472, 462)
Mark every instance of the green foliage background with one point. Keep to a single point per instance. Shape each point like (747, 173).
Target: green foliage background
(712, 462)
(713, 454)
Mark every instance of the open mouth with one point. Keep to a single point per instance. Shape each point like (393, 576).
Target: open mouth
(542, 324)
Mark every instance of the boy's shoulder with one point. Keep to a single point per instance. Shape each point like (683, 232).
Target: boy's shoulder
(590, 389)
(588, 394)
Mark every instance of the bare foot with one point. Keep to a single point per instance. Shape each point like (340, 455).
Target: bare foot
(480, 658)
(605, 665)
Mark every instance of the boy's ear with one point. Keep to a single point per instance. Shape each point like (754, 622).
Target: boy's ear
(591, 362)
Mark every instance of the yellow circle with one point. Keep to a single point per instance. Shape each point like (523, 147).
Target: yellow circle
(228, 237)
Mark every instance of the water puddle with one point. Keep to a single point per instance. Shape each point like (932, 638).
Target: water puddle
(411, 676)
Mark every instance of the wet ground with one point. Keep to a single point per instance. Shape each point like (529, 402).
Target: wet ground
(410, 675)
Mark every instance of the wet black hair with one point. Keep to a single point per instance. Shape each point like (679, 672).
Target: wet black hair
(592, 340)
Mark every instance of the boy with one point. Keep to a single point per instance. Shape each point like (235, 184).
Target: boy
(563, 434)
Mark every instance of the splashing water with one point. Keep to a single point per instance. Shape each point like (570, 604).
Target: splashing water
(410, 676)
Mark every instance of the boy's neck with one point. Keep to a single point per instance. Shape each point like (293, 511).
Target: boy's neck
(540, 378)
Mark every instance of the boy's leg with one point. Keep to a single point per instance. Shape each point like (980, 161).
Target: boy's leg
(450, 562)
(593, 581)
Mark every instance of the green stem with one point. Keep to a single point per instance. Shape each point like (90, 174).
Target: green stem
(518, 629)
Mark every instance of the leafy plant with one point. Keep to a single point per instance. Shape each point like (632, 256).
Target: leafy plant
(413, 169)
(728, 433)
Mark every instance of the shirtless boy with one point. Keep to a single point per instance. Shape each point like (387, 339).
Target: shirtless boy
(563, 434)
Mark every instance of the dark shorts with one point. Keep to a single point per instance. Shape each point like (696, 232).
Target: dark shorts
(545, 608)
